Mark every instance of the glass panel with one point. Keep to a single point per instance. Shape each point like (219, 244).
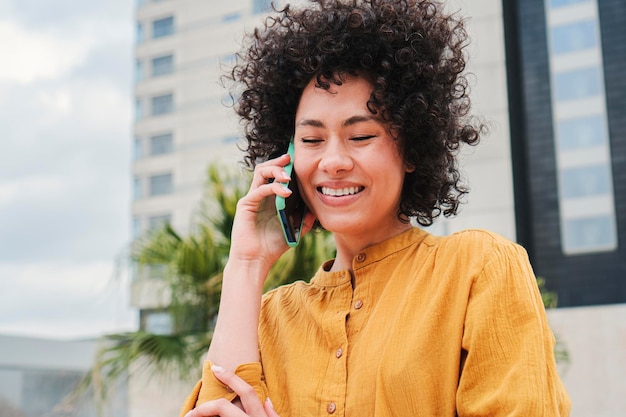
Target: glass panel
(161, 144)
(577, 84)
(574, 37)
(561, 3)
(139, 34)
(161, 184)
(163, 27)
(231, 17)
(138, 71)
(157, 322)
(162, 104)
(136, 226)
(261, 6)
(162, 65)
(156, 222)
(138, 149)
(137, 194)
(584, 132)
(589, 233)
(586, 181)
(138, 109)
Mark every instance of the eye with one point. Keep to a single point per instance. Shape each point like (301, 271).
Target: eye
(362, 137)
(310, 140)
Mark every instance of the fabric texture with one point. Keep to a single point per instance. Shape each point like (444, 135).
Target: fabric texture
(428, 326)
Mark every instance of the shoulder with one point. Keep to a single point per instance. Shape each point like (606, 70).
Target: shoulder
(478, 250)
(476, 241)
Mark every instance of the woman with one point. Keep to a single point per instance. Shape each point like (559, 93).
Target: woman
(400, 323)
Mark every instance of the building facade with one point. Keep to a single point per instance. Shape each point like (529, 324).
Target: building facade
(567, 60)
(182, 119)
(39, 376)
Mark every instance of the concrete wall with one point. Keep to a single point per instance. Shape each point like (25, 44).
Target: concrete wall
(595, 377)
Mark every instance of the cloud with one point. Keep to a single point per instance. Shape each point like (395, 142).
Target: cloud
(32, 56)
(65, 112)
(63, 300)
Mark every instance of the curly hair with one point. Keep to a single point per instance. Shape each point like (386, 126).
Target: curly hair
(411, 51)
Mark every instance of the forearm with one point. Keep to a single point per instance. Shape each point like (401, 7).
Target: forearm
(235, 339)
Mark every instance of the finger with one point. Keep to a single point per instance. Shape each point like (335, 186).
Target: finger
(250, 401)
(220, 407)
(270, 170)
(269, 408)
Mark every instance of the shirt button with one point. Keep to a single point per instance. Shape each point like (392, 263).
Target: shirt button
(339, 353)
(331, 408)
(360, 257)
(358, 305)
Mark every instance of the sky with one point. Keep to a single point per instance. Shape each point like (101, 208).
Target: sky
(65, 130)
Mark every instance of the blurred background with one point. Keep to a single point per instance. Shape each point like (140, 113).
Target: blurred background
(112, 112)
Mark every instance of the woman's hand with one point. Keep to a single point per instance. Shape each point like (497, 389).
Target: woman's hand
(257, 235)
(252, 406)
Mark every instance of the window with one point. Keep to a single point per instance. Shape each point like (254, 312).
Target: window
(232, 17)
(261, 6)
(561, 3)
(138, 71)
(156, 321)
(136, 226)
(585, 181)
(163, 27)
(162, 104)
(157, 222)
(577, 84)
(162, 65)
(161, 144)
(138, 149)
(580, 133)
(139, 34)
(138, 109)
(579, 116)
(574, 37)
(137, 191)
(161, 184)
(589, 234)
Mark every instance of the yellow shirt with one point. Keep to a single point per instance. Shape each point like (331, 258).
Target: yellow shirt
(434, 326)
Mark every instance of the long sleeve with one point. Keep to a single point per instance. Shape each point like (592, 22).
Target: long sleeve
(210, 388)
(509, 367)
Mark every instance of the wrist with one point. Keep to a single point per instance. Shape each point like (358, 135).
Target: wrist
(252, 272)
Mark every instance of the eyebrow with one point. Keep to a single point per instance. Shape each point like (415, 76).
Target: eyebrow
(348, 122)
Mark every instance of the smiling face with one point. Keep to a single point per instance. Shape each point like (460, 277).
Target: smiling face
(347, 163)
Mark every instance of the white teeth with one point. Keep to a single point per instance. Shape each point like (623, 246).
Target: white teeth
(338, 192)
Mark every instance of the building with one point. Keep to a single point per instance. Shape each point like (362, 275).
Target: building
(568, 94)
(37, 377)
(181, 120)
(547, 75)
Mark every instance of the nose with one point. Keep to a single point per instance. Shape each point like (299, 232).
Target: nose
(336, 158)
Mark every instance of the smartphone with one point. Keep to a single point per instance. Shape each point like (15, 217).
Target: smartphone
(291, 209)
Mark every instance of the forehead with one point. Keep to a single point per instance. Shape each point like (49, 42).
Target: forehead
(345, 100)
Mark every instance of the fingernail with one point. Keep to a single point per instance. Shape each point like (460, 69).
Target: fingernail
(269, 402)
(217, 369)
(189, 413)
(285, 175)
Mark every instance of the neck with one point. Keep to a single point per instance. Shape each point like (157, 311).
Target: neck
(349, 246)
